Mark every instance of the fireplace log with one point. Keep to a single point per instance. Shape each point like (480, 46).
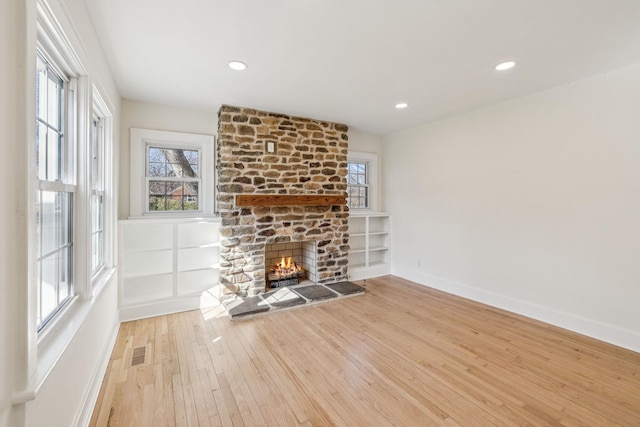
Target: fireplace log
(288, 200)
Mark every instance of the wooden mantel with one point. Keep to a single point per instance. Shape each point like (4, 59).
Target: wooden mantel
(255, 200)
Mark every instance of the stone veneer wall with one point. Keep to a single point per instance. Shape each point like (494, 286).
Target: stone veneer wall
(311, 159)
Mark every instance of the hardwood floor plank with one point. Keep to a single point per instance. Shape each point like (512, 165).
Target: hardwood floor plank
(402, 354)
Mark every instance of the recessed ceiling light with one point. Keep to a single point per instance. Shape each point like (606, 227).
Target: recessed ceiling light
(505, 65)
(401, 105)
(237, 65)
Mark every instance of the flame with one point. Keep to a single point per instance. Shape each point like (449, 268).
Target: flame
(286, 267)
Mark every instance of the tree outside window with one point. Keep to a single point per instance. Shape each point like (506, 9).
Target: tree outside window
(173, 179)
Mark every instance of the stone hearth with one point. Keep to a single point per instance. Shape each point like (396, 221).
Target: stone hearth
(262, 153)
(243, 308)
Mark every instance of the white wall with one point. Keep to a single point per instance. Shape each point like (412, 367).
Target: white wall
(360, 141)
(532, 205)
(64, 396)
(136, 114)
(12, 227)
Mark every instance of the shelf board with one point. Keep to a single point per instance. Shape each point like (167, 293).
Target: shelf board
(209, 245)
(379, 248)
(140, 275)
(214, 267)
(371, 265)
(356, 266)
(138, 249)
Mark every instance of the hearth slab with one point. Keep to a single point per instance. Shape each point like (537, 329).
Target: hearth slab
(315, 292)
(247, 306)
(283, 298)
(346, 288)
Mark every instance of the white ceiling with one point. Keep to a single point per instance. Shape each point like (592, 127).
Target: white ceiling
(350, 61)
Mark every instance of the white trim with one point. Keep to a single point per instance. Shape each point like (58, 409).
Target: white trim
(371, 159)
(83, 416)
(160, 308)
(591, 328)
(140, 139)
(99, 108)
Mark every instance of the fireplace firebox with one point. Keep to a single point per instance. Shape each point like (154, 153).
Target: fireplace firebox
(290, 264)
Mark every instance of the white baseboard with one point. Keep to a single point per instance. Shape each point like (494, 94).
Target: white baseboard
(83, 418)
(160, 308)
(369, 272)
(591, 328)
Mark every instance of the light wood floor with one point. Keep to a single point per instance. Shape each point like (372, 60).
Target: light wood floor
(402, 354)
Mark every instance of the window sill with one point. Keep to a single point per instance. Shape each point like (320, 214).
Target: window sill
(366, 212)
(172, 218)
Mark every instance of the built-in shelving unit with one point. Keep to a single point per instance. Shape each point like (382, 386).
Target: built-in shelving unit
(166, 265)
(369, 240)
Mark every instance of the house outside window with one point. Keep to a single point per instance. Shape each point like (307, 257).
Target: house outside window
(173, 180)
(56, 189)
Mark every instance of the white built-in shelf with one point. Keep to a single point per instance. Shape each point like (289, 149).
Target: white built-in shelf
(166, 265)
(370, 243)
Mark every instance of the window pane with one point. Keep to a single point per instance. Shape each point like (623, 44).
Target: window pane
(54, 98)
(49, 285)
(41, 150)
(54, 221)
(97, 233)
(170, 162)
(173, 196)
(357, 185)
(53, 156)
(41, 90)
(54, 252)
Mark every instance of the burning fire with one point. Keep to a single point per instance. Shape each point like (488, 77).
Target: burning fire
(285, 269)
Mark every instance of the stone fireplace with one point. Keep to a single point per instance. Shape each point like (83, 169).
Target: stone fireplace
(281, 180)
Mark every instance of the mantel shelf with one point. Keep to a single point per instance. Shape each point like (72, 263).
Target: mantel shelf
(266, 200)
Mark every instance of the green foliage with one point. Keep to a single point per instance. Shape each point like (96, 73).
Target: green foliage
(159, 204)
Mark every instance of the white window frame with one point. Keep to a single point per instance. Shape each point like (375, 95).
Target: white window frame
(102, 113)
(371, 160)
(141, 140)
(65, 184)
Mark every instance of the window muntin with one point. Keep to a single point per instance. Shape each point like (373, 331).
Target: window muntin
(55, 193)
(358, 185)
(49, 114)
(97, 205)
(173, 179)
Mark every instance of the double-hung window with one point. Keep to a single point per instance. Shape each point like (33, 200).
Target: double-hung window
(55, 189)
(97, 206)
(358, 184)
(362, 180)
(171, 173)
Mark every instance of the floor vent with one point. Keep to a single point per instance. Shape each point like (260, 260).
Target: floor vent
(138, 356)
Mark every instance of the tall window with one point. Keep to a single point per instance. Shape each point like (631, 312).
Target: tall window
(358, 184)
(97, 194)
(173, 179)
(55, 194)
